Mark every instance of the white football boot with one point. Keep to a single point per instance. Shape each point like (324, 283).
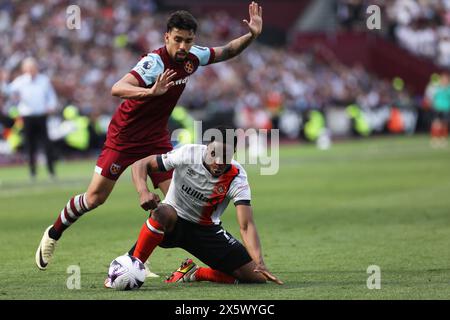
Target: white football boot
(148, 272)
(45, 250)
(107, 283)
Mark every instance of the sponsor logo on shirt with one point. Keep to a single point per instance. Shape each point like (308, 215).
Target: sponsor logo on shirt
(194, 193)
(181, 81)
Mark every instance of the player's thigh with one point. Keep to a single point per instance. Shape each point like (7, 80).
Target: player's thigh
(99, 189)
(175, 238)
(217, 248)
(246, 274)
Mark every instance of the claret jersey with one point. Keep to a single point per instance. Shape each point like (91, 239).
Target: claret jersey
(136, 125)
(195, 193)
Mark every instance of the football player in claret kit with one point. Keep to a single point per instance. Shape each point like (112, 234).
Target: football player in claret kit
(139, 127)
(205, 180)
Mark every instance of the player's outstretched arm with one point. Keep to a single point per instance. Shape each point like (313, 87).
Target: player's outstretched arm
(251, 241)
(139, 172)
(236, 46)
(128, 87)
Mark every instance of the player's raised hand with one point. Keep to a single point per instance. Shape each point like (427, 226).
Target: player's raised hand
(148, 200)
(266, 273)
(163, 82)
(255, 24)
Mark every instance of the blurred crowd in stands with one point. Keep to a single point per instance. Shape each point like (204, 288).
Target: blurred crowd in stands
(259, 86)
(421, 26)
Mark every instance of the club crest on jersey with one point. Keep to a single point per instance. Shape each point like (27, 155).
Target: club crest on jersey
(189, 66)
(114, 169)
(220, 189)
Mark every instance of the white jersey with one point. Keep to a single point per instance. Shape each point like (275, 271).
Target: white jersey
(37, 96)
(195, 193)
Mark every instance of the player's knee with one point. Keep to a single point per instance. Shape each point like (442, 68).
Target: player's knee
(166, 216)
(95, 199)
(260, 279)
(246, 274)
(251, 278)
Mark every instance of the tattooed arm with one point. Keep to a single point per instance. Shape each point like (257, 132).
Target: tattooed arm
(236, 46)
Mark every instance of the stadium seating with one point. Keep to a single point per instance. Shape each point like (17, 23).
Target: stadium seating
(422, 27)
(263, 81)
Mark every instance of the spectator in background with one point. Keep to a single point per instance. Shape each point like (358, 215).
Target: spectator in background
(441, 107)
(5, 120)
(350, 12)
(36, 99)
(113, 33)
(444, 49)
(422, 27)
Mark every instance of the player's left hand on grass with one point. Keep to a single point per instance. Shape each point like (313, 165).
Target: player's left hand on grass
(255, 24)
(266, 273)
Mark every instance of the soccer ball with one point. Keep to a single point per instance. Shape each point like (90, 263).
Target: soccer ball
(126, 273)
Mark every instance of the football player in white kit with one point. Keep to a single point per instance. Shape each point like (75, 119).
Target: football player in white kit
(205, 179)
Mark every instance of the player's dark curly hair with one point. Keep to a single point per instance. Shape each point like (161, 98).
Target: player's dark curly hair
(182, 20)
(223, 135)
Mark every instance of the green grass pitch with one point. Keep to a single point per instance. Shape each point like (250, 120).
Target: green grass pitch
(323, 220)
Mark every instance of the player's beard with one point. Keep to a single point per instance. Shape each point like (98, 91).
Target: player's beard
(180, 56)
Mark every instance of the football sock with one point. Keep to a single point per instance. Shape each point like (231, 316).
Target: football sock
(208, 274)
(444, 131)
(74, 209)
(150, 236)
(131, 251)
(435, 129)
